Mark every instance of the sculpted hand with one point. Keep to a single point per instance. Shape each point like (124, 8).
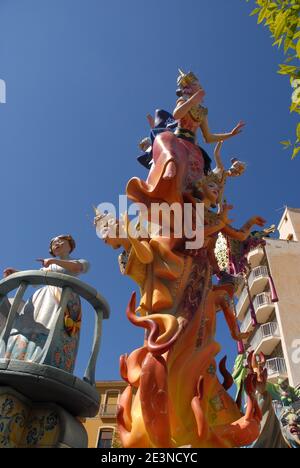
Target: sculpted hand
(257, 365)
(150, 120)
(238, 336)
(258, 220)
(9, 271)
(238, 129)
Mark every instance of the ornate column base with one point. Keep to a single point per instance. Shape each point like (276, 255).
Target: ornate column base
(28, 424)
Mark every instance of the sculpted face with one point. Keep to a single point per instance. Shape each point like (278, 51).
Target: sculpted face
(61, 247)
(107, 228)
(211, 191)
(290, 422)
(110, 235)
(289, 419)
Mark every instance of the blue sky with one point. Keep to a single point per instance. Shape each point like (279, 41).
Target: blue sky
(81, 76)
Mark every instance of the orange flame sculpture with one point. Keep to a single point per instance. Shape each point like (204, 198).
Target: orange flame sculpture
(174, 397)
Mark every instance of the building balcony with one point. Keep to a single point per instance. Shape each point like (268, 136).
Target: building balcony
(242, 304)
(266, 338)
(247, 326)
(263, 306)
(258, 280)
(108, 411)
(276, 368)
(255, 257)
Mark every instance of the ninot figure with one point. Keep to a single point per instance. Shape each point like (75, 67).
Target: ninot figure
(36, 317)
(178, 161)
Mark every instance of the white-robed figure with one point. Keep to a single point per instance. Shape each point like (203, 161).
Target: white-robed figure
(37, 316)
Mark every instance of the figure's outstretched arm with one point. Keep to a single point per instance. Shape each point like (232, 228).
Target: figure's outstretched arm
(221, 222)
(243, 233)
(183, 106)
(217, 154)
(73, 266)
(211, 230)
(210, 137)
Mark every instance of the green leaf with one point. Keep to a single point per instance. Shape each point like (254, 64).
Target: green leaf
(293, 107)
(262, 15)
(298, 49)
(286, 143)
(280, 24)
(298, 131)
(255, 11)
(287, 69)
(295, 152)
(290, 59)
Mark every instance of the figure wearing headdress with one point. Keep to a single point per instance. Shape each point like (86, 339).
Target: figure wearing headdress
(209, 190)
(178, 161)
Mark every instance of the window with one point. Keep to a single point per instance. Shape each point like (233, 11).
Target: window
(105, 438)
(290, 237)
(109, 409)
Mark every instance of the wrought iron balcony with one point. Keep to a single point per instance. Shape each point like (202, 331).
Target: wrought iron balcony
(257, 281)
(35, 378)
(266, 338)
(263, 306)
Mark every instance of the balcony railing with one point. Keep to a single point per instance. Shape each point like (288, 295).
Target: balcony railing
(276, 367)
(257, 281)
(263, 306)
(257, 273)
(268, 331)
(108, 411)
(262, 300)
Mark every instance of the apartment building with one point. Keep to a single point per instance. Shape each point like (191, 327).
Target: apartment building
(102, 429)
(277, 332)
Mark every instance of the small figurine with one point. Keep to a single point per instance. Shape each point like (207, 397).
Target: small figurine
(237, 169)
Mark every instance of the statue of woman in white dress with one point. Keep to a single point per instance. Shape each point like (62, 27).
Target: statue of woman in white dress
(37, 316)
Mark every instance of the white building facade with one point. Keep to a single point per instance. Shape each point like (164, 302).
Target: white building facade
(277, 334)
